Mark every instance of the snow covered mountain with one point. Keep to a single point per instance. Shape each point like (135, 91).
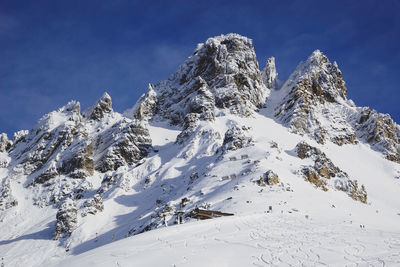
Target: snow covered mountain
(297, 157)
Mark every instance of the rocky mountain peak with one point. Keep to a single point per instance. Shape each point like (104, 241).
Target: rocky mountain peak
(98, 110)
(222, 74)
(320, 78)
(315, 101)
(72, 108)
(317, 58)
(233, 49)
(269, 74)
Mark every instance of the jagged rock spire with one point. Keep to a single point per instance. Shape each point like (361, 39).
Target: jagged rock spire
(319, 77)
(98, 110)
(5, 143)
(145, 106)
(309, 101)
(269, 74)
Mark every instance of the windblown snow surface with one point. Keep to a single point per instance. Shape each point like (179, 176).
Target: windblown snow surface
(307, 226)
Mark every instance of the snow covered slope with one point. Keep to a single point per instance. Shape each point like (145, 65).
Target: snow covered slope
(302, 169)
(252, 240)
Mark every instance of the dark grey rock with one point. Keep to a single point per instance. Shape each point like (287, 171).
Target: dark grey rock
(66, 219)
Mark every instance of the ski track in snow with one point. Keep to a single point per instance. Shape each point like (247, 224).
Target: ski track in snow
(254, 240)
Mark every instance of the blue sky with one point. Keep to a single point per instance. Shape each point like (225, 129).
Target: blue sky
(55, 51)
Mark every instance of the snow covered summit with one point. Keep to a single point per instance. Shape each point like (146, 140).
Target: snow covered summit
(222, 75)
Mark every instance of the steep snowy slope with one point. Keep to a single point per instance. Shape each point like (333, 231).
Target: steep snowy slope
(138, 201)
(213, 136)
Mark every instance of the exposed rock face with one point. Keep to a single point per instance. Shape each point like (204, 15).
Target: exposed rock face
(380, 131)
(125, 143)
(222, 73)
(93, 205)
(322, 164)
(80, 164)
(108, 181)
(236, 138)
(53, 135)
(269, 74)
(5, 144)
(271, 178)
(62, 142)
(67, 219)
(357, 193)
(145, 106)
(65, 148)
(103, 106)
(4, 159)
(316, 102)
(313, 177)
(7, 200)
(324, 170)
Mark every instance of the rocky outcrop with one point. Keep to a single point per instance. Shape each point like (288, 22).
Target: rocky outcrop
(39, 151)
(222, 73)
(4, 160)
(102, 107)
(236, 138)
(125, 143)
(108, 182)
(92, 206)
(80, 164)
(269, 74)
(380, 131)
(315, 102)
(67, 219)
(357, 193)
(271, 178)
(323, 166)
(7, 200)
(5, 143)
(145, 106)
(324, 171)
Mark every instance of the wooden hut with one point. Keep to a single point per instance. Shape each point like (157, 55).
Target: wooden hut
(208, 214)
